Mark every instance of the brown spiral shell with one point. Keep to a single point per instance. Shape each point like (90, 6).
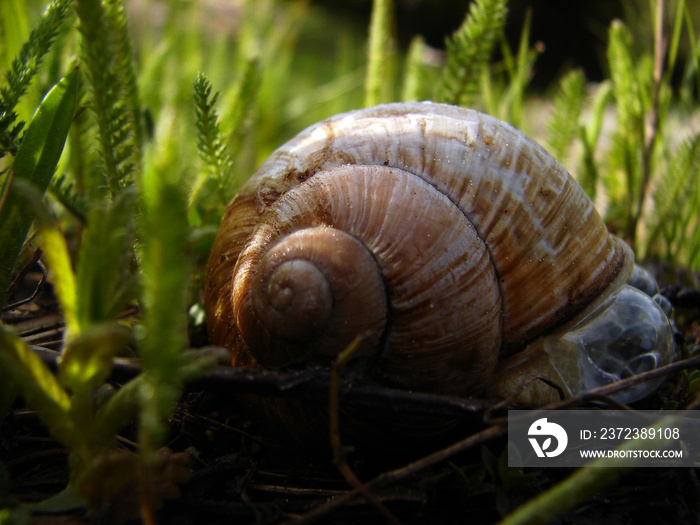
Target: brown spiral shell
(445, 237)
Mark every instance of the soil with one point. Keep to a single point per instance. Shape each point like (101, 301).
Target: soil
(239, 471)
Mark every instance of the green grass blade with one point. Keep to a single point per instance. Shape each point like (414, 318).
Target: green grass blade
(380, 51)
(626, 86)
(238, 114)
(87, 359)
(589, 172)
(20, 366)
(106, 256)
(35, 163)
(116, 16)
(110, 75)
(24, 68)
(469, 50)
(46, 135)
(165, 265)
(219, 140)
(691, 75)
(119, 410)
(564, 125)
(56, 254)
(675, 201)
(210, 142)
(518, 70)
(629, 138)
(414, 81)
(675, 37)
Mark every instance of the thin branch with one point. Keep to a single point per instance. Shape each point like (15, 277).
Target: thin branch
(394, 476)
(311, 384)
(653, 119)
(339, 451)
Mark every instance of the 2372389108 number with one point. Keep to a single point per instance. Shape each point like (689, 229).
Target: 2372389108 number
(639, 433)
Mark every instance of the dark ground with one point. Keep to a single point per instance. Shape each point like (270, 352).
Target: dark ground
(243, 473)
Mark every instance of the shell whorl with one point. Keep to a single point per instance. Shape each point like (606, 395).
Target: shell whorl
(546, 251)
(383, 279)
(298, 299)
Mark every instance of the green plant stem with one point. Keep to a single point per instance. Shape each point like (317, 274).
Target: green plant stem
(35, 163)
(117, 16)
(379, 51)
(580, 486)
(210, 141)
(21, 367)
(653, 120)
(413, 82)
(109, 71)
(468, 51)
(24, 68)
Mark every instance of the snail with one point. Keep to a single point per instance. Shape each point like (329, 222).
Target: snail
(466, 257)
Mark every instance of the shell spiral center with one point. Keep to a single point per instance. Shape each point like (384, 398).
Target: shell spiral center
(310, 294)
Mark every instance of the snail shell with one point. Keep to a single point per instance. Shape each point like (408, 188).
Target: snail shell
(443, 236)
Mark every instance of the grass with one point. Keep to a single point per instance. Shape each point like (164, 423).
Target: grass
(147, 124)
